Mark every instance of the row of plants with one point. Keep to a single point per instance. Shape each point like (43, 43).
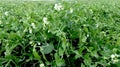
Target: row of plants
(60, 34)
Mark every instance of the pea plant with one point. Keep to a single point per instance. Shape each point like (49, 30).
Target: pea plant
(60, 33)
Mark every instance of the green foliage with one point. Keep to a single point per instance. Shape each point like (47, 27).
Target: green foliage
(72, 34)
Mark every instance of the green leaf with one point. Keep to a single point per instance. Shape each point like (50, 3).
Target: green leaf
(87, 60)
(36, 55)
(60, 62)
(48, 48)
(61, 51)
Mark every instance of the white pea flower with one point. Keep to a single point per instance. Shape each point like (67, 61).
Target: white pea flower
(6, 13)
(88, 35)
(115, 60)
(45, 20)
(33, 25)
(42, 65)
(7, 53)
(117, 55)
(30, 42)
(91, 11)
(58, 7)
(112, 56)
(30, 30)
(4, 53)
(71, 10)
(39, 43)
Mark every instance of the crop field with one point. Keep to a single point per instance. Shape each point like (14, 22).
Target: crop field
(51, 33)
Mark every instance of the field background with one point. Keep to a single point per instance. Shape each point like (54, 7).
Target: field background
(83, 34)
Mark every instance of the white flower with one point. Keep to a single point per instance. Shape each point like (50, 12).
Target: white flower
(58, 7)
(42, 65)
(87, 35)
(45, 20)
(117, 55)
(6, 13)
(91, 11)
(33, 25)
(30, 42)
(39, 43)
(4, 53)
(112, 56)
(30, 30)
(115, 60)
(71, 10)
